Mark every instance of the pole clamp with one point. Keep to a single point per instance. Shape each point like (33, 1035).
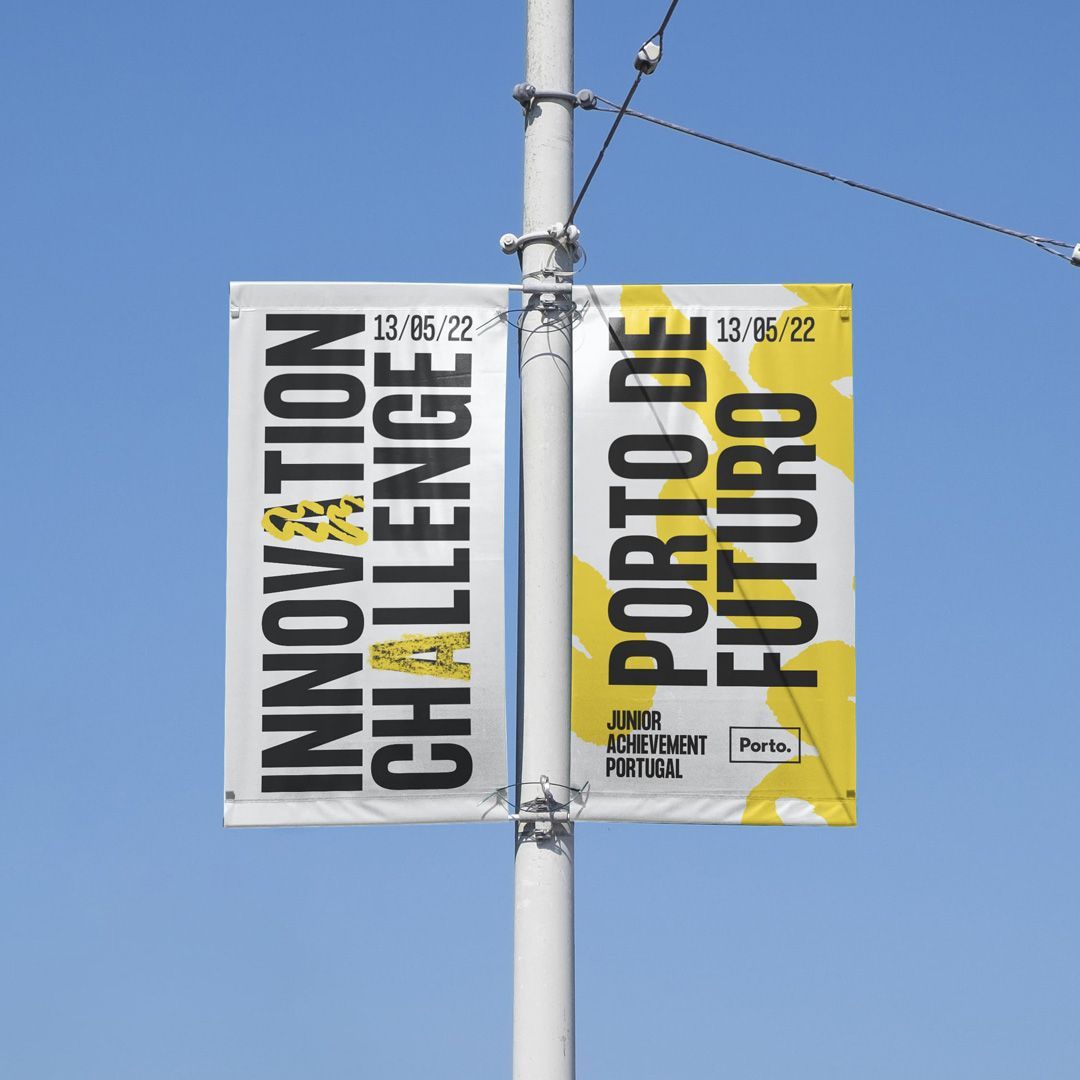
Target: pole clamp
(526, 95)
(567, 236)
(545, 808)
(546, 819)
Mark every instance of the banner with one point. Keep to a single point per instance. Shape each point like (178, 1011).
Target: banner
(714, 660)
(365, 577)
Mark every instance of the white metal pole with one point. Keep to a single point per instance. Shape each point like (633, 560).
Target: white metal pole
(544, 850)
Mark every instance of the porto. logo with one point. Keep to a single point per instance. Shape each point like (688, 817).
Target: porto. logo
(765, 744)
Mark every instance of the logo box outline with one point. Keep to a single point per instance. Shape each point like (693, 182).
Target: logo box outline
(759, 761)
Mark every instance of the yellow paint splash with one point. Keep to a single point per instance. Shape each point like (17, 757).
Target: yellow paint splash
(639, 303)
(402, 655)
(811, 368)
(336, 525)
(825, 715)
(643, 302)
(593, 699)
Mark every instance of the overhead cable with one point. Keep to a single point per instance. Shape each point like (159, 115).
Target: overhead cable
(648, 56)
(1042, 242)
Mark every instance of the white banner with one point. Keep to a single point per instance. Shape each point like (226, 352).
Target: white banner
(714, 661)
(365, 576)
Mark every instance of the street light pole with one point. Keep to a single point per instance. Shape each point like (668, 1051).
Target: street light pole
(544, 841)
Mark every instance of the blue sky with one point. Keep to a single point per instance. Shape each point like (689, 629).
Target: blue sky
(154, 153)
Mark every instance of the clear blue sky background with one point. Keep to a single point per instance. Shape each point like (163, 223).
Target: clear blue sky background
(155, 151)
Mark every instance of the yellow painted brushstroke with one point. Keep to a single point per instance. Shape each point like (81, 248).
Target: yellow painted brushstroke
(744, 589)
(402, 655)
(593, 699)
(810, 368)
(643, 302)
(825, 715)
(639, 304)
(336, 525)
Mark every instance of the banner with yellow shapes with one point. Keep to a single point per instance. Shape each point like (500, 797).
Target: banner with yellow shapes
(713, 577)
(365, 646)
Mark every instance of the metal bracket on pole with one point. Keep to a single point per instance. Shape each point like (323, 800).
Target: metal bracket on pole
(546, 809)
(526, 95)
(567, 236)
(547, 288)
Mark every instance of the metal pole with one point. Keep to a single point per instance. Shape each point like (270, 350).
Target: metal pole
(544, 849)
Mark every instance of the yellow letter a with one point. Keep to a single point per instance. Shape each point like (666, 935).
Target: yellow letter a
(402, 655)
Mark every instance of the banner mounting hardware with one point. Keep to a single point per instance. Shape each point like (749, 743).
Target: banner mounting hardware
(567, 236)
